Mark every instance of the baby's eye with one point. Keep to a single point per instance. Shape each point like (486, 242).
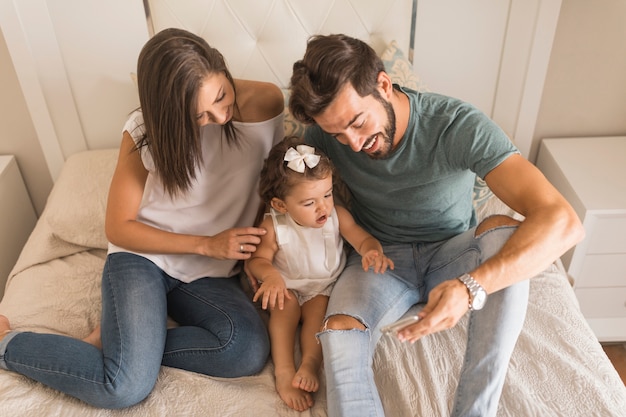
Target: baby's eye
(329, 195)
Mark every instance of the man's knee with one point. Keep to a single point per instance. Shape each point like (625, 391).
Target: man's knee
(343, 322)
(497, 220)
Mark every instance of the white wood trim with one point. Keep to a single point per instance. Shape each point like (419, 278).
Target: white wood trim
(51, 69)
(73, 60)
(17, 40)
(547, 18)
(513, 65)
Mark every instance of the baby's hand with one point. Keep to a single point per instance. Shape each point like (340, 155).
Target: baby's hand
(376, 260)
(274, 292)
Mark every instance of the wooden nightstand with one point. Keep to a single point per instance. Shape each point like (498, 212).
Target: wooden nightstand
(17, 216)
(591, 174)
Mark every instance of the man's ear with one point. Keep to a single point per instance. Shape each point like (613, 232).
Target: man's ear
(278, 205)
(385, 85)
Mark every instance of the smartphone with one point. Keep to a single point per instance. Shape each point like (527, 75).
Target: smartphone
(396, 326)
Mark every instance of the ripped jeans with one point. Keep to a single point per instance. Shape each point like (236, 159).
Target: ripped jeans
(379, 299)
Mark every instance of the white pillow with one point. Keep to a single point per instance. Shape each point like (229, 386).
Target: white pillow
(76, 206)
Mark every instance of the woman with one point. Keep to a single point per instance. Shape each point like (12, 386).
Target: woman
(180, 206)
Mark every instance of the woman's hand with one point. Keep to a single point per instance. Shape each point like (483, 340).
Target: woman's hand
(238, 243)
(376, 260)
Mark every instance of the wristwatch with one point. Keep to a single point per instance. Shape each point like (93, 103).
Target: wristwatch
(478, 295)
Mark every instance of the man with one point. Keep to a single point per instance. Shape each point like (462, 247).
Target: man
(409, 160)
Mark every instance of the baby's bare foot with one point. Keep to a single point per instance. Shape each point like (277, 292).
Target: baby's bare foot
(94, 338)
(306, 379)
(294, 397)
(5, 326)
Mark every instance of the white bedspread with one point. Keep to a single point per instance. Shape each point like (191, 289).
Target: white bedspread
(558, 367)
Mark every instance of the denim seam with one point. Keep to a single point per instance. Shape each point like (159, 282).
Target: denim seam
(459, 398)
(117, 321)
(460, 255)
(178, 352)
(471, 248)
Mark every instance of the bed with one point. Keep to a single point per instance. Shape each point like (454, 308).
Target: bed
(558, 367)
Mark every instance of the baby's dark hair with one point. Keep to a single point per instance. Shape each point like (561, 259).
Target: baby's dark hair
(277, 179)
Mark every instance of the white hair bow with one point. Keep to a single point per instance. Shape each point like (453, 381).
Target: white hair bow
(301, 156)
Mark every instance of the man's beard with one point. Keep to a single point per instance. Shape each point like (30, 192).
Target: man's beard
(386, 146)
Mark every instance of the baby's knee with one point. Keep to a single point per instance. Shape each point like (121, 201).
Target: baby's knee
(497, 220)
(342, 322)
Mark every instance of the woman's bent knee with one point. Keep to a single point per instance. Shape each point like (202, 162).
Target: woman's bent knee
(122, 396)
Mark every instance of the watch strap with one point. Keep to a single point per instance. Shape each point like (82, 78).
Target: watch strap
(472, 287)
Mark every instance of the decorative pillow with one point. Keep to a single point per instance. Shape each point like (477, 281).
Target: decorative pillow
(482, 193)
(400, 69)
(292, 126)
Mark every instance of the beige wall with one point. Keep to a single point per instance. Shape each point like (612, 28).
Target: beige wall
(17, 133)
(585, 88)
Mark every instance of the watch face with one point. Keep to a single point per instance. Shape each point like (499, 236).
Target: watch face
(479, 299)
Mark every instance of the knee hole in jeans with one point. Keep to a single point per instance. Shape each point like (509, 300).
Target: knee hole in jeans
(495, 221)
(342, 322)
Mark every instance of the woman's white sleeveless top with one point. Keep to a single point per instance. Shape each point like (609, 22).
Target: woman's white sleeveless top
(223, 195)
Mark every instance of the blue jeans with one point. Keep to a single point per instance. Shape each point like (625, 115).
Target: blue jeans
(220, 334)
(379, 299)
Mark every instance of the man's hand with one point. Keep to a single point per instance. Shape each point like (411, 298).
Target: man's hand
(447, 303)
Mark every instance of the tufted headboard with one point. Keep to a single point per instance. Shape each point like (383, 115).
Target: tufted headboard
(261, 39)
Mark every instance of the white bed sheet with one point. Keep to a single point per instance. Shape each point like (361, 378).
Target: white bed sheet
(558, 367)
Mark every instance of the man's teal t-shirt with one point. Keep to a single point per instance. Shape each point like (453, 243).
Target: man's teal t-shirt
(423, 191)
